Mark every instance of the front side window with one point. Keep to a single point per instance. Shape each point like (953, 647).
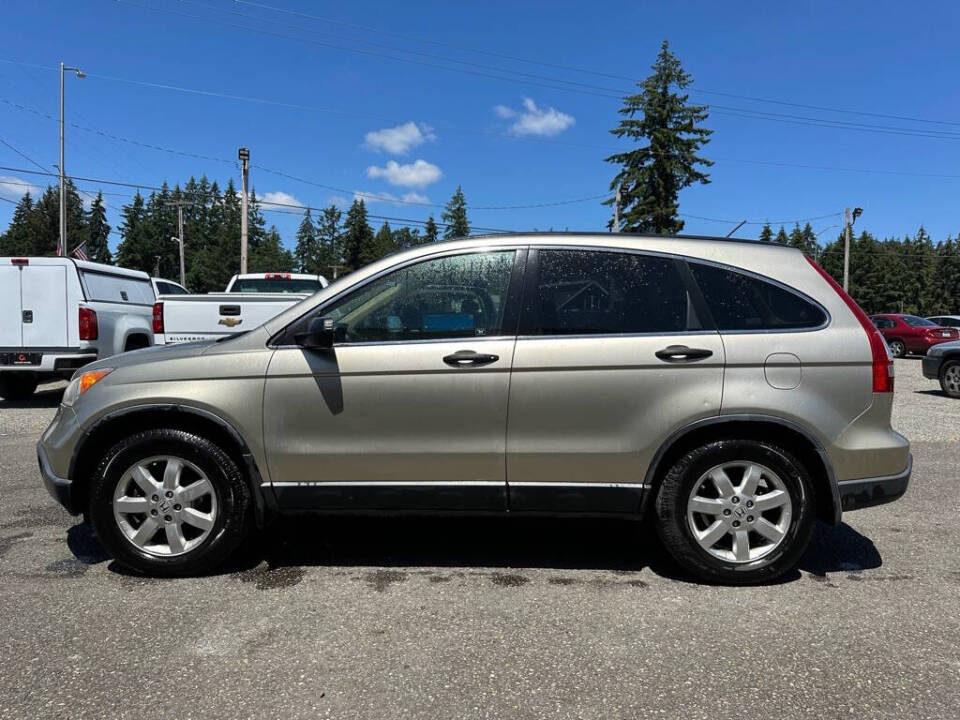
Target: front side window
(458, 296)
(743, 302)
(602, 292)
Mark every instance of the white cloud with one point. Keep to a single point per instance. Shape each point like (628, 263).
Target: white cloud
(14, 187)
(398, 140)
(279, 197)
(416, 174)
(339, 200)
(389, 198)
(533, 120)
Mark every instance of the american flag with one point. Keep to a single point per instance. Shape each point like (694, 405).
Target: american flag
(80, 251)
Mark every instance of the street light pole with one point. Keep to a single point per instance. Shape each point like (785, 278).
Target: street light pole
(62, 247)
(847, 226)
(180, 204)
(244, 155)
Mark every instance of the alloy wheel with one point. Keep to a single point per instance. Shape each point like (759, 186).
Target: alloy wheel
(165, 505)
(951, 379)
(739, 511)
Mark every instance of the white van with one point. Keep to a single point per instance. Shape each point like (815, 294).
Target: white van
(57, 314)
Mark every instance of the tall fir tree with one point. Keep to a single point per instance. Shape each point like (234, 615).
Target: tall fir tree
(455, 216)
(383, 240)
(330, 242)
(17, 240)
(98, 232)
(766, 234)
(651, 177)
(306, 252)
(358, 242)
(430, 231)
(782, 237)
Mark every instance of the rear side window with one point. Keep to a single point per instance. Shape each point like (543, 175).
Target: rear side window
(600, 292)
(118, 289)
(743, 302)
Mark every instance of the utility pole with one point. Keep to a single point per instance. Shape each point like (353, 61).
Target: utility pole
(244, 155)
(62, 247)
(846, 250)
(180, 205)
(847, 226)
(616, 212)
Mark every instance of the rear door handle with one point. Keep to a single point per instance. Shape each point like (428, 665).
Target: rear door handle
(469, 358)
(682, 353)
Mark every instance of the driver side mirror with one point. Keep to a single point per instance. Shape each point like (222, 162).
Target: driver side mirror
(319, 334)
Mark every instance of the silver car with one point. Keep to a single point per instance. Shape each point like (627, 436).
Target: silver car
(728, 390)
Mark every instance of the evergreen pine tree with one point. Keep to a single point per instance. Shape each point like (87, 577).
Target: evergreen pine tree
(269, 254)
(358, 243)
(330, 242)
(98, 232)
(455, 216)
(430, 231)
(766, 234)
(17, 241)
(306, 252)
(383, 240)
(782, 237)
(651, 177)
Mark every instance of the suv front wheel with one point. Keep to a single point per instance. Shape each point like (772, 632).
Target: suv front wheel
(169, 503)
(736, 511)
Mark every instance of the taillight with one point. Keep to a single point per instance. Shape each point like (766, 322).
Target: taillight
(158, 317)
(88, 324)
(882, 360)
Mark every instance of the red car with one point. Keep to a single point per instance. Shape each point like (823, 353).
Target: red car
(911, 334)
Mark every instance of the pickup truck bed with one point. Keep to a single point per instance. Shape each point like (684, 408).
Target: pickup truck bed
(188, 318)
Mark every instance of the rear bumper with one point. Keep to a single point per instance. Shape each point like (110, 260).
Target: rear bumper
(61, 489)
(867, 492)
(64, 360)
(931, 366)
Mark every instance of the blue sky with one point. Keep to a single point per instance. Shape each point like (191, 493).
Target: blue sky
(408, 100)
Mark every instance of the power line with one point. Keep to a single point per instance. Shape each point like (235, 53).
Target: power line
(595, 73)
(22, 154)
(758, 222)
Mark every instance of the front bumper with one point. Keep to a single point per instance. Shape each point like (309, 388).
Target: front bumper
(931, 366)
(60, 488)
(867, 492)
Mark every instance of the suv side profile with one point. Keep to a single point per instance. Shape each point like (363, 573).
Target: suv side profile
(728, 390)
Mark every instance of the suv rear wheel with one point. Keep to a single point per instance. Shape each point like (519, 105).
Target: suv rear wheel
(736, 511)
(169, 503)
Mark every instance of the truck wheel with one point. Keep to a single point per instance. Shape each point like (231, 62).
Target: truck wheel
(17, 386)
(950, 378)
(169, 503)
(736, 511)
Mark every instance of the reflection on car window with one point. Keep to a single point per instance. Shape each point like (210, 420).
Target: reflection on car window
(914, 321)
(742, 302)
(601, 292)
(450, 297)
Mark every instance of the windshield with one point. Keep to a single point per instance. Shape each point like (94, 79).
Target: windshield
(915, 321)
(276, 285)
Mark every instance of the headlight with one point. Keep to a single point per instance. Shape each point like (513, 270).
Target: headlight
(83, 382)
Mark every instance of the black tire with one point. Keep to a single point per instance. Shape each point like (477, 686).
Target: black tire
(949, 391)
(677, 536)
(232, 522)
(17, 386)
(898, 349)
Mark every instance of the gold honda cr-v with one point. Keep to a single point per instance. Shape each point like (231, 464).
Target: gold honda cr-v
(727, 389)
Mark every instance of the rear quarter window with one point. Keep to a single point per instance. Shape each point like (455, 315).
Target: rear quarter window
(743, 302)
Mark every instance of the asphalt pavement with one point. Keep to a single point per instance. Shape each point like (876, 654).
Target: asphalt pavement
(487, 618)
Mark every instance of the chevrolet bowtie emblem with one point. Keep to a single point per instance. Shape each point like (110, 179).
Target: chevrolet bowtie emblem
(231, 322)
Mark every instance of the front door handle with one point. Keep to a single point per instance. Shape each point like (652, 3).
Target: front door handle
(469, 358)
(682, 353)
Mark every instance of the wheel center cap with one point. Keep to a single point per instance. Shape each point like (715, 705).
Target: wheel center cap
(165, 506)
(740, 512)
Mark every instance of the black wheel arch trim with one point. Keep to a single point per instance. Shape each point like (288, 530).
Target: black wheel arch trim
(653, 469)
(263, 502)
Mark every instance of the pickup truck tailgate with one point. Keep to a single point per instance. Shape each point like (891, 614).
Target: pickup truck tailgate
(188, 318)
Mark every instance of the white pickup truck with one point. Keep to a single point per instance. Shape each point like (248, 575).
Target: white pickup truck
(57, 314)
(249, 300)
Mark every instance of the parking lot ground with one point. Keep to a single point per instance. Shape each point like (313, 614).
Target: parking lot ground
(487, 618)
